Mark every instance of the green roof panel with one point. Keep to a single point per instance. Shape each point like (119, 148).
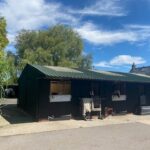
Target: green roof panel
(77, 73)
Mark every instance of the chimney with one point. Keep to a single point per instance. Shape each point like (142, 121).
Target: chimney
(133, 67)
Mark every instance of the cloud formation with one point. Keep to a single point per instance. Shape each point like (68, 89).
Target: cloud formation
(121, 60)
(103, 8)
(99, 36)
(32, 14)
(38, 14)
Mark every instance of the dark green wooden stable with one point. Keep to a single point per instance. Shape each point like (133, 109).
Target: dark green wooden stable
(34, 90)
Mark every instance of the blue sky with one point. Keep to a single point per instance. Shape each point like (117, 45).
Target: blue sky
(115, 32)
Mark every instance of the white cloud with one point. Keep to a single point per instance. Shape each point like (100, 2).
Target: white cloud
(126, 60)
(32, 14)
(99, 36)
(104, 64)
(96, 35)
(121, 60)
(137, 26)
(103, 8)
(36, 14)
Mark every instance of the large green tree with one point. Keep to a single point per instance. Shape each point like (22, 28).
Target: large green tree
(8, 68)
(7, 59)
(3, 68)
(86, 61)
(59, 46)
(3, 59)
(12, 67)
(3, 38)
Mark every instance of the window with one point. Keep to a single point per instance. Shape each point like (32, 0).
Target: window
(60, 87)
(119, 92)
(120, 88)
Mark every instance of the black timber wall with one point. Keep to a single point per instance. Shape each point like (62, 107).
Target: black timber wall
(133, 95)
(147, 92)
(47, 108)
(82, 89)
(28, 90)
(43, 98)
(79, 89)
(34, 92)
(132, 91)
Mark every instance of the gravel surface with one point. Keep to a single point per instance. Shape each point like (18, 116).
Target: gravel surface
(130, 136)
(12, 101)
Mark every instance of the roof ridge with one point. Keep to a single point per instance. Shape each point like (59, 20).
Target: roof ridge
(90, 74)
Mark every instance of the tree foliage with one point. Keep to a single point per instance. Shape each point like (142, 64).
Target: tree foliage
(12, 67)
(8, 69)
(4, 71)
(7, 59)
(3, 38)
(86, 61)
(58, 46)
(3, 60)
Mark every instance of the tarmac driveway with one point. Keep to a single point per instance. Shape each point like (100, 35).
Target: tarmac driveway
(129, 136)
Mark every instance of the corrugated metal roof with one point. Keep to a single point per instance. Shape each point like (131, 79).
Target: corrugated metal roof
(63, 69)
(76, 73)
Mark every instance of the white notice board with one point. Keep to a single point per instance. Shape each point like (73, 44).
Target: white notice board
(119, 98)
(60, 98)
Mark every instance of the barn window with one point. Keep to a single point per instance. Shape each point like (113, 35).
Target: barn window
(119, 92)
(60, 87)
(120, 87)
(60, 91)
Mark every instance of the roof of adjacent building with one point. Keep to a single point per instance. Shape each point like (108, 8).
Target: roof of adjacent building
(77, 73)
(141, 70)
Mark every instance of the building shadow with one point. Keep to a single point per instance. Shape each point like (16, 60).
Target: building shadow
(15, 115)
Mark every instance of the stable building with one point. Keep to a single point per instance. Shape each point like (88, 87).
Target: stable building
(51, 92)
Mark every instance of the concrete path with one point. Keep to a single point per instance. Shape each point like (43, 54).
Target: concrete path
(130, 136)
(36, 127)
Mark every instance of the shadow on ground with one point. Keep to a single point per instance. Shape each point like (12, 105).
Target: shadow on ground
(15, 115)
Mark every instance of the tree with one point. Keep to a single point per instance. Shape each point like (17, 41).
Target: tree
(3, 68)
(86, 61)
(3, 37)
(59, 46)
(8, 69)
(4, 73)
(3, 43)
(3, 60)
(12, 67)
